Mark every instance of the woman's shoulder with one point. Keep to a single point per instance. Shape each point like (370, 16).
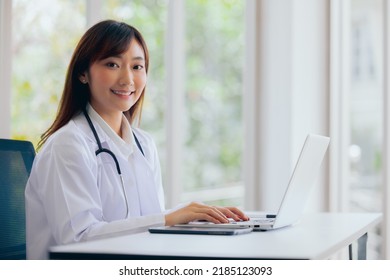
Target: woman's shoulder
(67, 146)
(70, 135)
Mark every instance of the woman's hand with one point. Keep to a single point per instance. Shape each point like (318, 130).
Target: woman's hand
(198, 211)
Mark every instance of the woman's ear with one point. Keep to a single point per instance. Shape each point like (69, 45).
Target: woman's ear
(83, 78)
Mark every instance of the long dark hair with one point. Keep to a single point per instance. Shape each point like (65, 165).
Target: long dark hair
(104, 39)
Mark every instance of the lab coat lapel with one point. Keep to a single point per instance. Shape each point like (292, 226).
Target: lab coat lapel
(146, 184)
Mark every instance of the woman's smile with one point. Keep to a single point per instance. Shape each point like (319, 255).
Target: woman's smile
(123, 92)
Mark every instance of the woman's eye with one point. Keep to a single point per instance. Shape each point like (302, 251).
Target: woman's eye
(112, 65)
(138, 67)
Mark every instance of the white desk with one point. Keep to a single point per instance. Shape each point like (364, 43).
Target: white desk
(316, 236)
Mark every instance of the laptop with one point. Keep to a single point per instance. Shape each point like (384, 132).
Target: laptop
(296, 195)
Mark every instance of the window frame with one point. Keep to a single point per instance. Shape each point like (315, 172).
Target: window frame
(386, 133)
(5, 67)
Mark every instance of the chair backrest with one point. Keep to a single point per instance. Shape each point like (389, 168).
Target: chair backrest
(16, 159)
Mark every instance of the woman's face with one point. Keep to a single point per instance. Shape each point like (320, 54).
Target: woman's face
(116, 83)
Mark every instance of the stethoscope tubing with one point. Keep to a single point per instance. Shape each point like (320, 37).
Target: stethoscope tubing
(103, 150)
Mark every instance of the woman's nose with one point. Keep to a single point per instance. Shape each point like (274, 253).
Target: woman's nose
(126, 78)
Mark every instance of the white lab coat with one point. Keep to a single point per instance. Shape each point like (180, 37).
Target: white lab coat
(73, 195)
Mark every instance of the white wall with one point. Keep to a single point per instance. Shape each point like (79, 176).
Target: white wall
(310, 83)
(267, 102)
(286, 94)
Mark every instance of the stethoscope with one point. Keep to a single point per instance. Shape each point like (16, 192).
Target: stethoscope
(104, 150)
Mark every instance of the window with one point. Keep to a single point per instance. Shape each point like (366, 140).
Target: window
(361, 105)
(213, 96)
(40, 54)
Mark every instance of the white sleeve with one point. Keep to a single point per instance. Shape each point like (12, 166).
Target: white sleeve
(67, 186)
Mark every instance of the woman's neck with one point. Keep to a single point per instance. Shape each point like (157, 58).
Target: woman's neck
(112, 117)
(114, 121)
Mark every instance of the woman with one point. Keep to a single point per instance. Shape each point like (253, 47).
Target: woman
(96, 175)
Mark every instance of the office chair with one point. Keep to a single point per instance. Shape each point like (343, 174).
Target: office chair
(16, 158)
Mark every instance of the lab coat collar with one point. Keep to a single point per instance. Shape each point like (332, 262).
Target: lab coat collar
(125, 145)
